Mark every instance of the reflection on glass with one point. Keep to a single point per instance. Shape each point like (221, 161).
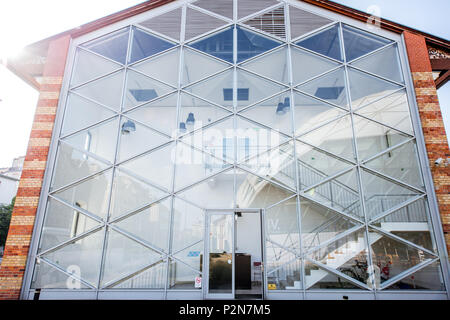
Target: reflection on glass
(181, 276)
(46, 276)
(250, 44)
(113, 45)
(392, 257)
(152, 277)
(325, 42)
(272, 65)
(428, 278)
(327, 280)
(198, 23)
(192, 60)
(306, 65)
(219, 45)
(220, 253)
(303, 22)
(144, 45)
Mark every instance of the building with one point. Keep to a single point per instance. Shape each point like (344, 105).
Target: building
(205, 149)
(9, 180)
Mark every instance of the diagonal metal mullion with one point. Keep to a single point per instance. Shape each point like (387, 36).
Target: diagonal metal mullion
(372, 52)
(106, 75)
(315, 31)
(136, 239)
(71, 240)
(396, 208)
(209, 33)
(406, 273)
(203, 180)
(283, 187)
(339, 274)
(328, 179)
(335, 239)
(388, 150)
(209, 13)
(152, 78)
(187, 247)
(78, 209)
(364, 106)
(384, 125)
(390, 179)
(138, 210)
(399, 239)
(401, 85)
(98, 103)
(115, 282)
(254, 73)
(68, 274)
(255, 104)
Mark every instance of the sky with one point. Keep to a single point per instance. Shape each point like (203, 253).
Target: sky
(28, 21)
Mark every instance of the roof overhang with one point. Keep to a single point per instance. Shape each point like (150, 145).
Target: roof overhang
(29, 65)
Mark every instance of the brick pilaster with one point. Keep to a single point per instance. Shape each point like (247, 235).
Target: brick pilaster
(432, 123)
(22, 222)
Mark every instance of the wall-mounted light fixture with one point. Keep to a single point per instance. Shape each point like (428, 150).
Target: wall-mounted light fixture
(190, 119)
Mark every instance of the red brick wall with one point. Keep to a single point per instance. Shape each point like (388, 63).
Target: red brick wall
(23, 216)
(432, 123)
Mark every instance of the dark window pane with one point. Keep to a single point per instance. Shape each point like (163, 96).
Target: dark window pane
(251, 44)
(113, 46)
(219, 45)
(357, 42)
(145, 45)
(325, 42)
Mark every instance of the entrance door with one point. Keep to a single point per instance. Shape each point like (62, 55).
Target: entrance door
(219, 257)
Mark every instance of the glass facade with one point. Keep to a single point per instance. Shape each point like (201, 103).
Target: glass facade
(267, 107)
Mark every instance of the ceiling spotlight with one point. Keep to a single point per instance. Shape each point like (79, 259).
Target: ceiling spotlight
(128, 127)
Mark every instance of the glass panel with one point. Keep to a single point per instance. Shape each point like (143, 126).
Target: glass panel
(217, 140)
(150, 225)
(250, 44)
(320, 224)
(72, 165)
(306, 65)
(251, 88)
(162, 67)
(131, 193)
(62, 223)
(224, 7)
(81, 113)
(326, 42)
(255, 192)
(381, 194)
(277, 165)
(218, 188)
(272, 65)
(340, 193)
(247, 7)
(347, 255)
(160, 115)
(83, 255)
(358, 42)
(253, 139)
(193, 166)
(136, 139)
(288, 277)
(99, 140)
(329, 87)
(372, 138)
(155, 167)
(392, 110)
(197, 66)
(276, 257)
(196, 113)
(141, 89)
(198, 23)
(271, 22)
(303, 22)
(188, 224)
(311, 113)
(215, 89)
(282, 225)
(274, 112)
(365, 89)
(401, 164)
(327, 280)
(192, 256)
(88, 66)
(428, 278)
(113, 45)
(411, 223)
(124, 257)
(91, 195)
(219, 44)
(168, 24)
(315, 165)
(335, 137)
(385, 63)
(144, 45)
(47, 277)
(391, 257)
(95, 90)
(181, 276)
(153, 277)
(220, 253)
